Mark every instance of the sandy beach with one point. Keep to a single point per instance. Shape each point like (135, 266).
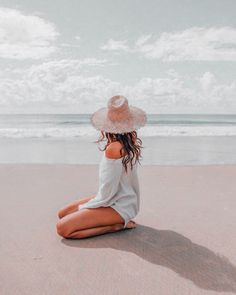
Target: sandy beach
(184, 242)
(156, 78)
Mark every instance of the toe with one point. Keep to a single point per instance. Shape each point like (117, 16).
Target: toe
(131, 224)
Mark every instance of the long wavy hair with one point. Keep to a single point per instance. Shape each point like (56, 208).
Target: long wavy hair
(131, 146)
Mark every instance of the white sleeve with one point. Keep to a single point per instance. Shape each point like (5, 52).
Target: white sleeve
(109, 180)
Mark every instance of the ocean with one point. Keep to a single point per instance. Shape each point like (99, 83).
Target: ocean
(76, 125)
(168, 139)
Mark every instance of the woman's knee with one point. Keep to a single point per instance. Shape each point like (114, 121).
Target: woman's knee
(61, 213)
(62, 229)
(70, 208)
(73, 207)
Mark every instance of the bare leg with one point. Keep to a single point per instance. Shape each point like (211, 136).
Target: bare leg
(91, 220)
(95, 231)
(100, 230)
(73, 207)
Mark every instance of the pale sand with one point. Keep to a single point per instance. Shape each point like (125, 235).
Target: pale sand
(184, 242)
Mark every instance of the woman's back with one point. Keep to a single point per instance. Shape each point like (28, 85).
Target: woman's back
(117, 188)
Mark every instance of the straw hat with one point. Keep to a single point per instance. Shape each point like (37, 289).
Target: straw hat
(118, 116)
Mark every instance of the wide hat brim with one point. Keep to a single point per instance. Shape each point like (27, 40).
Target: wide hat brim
(136, 120)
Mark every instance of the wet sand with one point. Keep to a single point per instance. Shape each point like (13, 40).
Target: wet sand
(157, 150)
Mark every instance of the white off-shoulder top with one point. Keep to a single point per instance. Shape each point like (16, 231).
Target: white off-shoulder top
(117, 189)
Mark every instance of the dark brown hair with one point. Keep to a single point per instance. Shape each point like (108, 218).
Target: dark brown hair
(131, 146)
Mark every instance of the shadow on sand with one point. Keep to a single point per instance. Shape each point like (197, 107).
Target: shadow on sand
(202, 266)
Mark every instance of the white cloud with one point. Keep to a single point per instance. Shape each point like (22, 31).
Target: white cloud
(172, 73)
(25, 36)
(115, 45)
(142, 39)
(62, 86)
(207, 81)
(162, 95)
(59, 84)
(217, 94)
(78, 38)
(196, 43)
(68, 45)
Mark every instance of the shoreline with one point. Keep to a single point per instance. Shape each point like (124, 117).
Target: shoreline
(168, 151)
(96, 165)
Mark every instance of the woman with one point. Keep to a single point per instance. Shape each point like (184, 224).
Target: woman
(118, 197)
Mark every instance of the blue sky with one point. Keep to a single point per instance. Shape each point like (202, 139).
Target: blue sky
(164, 56)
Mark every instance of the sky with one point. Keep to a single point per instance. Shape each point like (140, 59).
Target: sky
(165, 56)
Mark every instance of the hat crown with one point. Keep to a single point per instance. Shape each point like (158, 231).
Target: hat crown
(118, 108)
(118, 116)
(117, 101)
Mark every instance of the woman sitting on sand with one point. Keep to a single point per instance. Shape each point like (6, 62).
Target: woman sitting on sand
(118, 197)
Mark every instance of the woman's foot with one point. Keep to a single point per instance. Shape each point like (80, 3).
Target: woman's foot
(131, 224)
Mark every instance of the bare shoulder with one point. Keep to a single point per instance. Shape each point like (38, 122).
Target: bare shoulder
(113, 150)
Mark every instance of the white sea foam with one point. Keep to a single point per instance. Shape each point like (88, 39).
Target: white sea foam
(78, 125)
(85, 130)
(47, 132)
(188, 131)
